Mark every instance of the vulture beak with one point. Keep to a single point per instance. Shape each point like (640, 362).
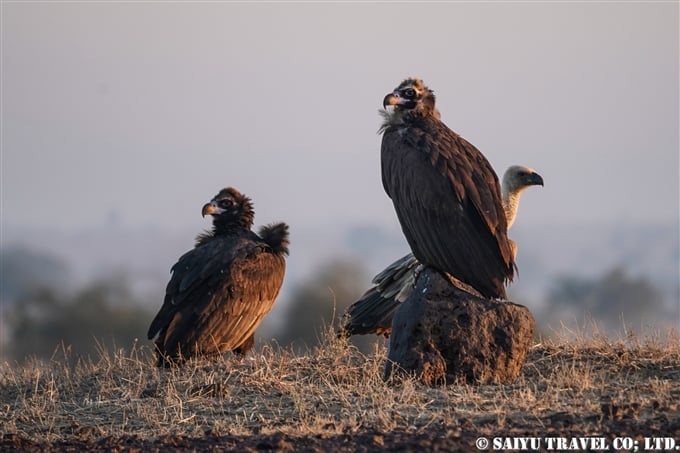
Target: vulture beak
(535, 179)
(391, 99)
(210, 209)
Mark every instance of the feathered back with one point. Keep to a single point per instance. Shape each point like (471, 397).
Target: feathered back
(276, 236)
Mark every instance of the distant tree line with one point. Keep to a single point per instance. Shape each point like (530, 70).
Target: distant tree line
(614, 301)
(317, 305)
(102, 315)
(42, 315)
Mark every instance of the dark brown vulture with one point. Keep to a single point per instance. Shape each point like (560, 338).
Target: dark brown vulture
(446, 194)
(221, 290)
(374, 311)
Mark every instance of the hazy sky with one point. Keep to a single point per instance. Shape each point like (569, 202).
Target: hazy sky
(143, 111)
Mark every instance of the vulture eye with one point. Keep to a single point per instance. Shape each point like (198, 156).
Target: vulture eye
(409, 93)
(226, 203)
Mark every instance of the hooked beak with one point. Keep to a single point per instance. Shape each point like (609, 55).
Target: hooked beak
(536, 179)
(391, 99)
(210, 209)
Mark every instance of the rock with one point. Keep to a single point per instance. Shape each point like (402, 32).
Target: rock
(444, 334)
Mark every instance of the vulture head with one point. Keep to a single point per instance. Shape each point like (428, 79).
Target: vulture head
(411, 94)
(230, 208)
(519, 177)
(515, 180)
(410, 99)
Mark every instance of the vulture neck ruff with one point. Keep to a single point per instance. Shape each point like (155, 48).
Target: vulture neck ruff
(224, 225)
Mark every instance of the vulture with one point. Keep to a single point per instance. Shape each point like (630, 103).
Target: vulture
(374, 311)
(446, 194)
(220, 291)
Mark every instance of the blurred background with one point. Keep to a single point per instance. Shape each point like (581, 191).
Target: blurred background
(120, 120)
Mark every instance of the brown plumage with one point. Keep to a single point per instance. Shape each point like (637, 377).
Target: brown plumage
(221, 290)
(373, 312)
(445, 192)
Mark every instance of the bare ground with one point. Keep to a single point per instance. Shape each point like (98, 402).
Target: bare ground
(333, 399)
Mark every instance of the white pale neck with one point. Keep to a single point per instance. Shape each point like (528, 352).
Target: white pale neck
(511, 202)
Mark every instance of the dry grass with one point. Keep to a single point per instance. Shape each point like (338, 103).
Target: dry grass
(335, 389)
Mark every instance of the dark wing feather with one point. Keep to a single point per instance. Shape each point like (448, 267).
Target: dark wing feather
(189, 271)
(373, 313)
(217, 296)
(448, 202)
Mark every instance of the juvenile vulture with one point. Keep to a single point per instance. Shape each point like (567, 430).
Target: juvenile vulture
(446, 194)
(221, 290)
(374, 311)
